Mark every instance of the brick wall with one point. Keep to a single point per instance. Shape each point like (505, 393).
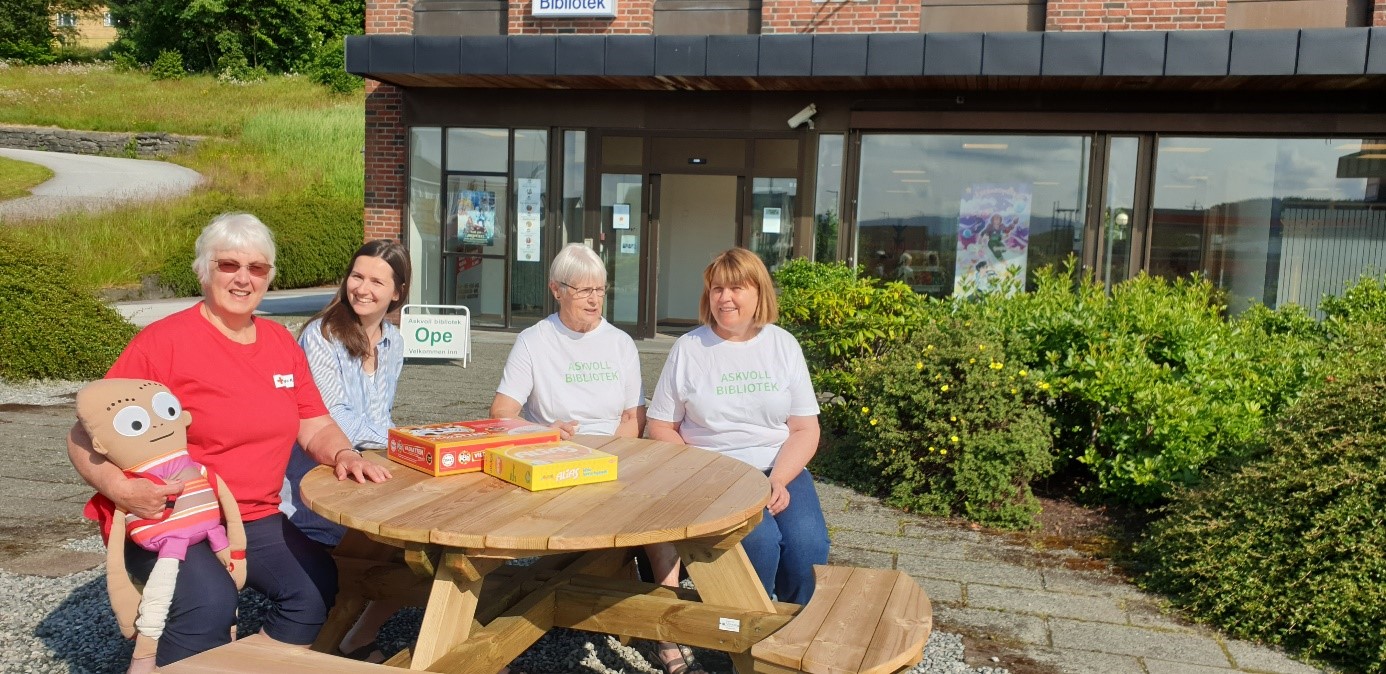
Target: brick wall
(633, 17)
(839, 16)
(1379, 13)
(1135, 15)
(387, 145)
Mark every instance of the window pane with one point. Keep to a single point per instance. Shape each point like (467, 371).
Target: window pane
(527, 277)
(425, 229)
(619, 243)
(478, 150)
(772, 219)
(960, 213)
(1274, 220)
(827, 217)
(574, 172)
(1117, 213)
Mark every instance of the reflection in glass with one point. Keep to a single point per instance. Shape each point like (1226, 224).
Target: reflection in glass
(1118, 211)
(619, 244)
(424, 230)
(827, 216)
(930, 205)
(1272, 220)
(478, 150)
(574, 170)
(528, 278)
(474, 229)
(772, 216)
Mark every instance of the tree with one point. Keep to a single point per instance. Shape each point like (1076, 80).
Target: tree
(27, 27)
(277, 35)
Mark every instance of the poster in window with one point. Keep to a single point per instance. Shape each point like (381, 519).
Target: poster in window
(993, 238)
(474, 212)
(620, 216)
(527, 245)
(771, 221)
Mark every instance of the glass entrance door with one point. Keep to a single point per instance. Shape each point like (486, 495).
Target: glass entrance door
(697, 220)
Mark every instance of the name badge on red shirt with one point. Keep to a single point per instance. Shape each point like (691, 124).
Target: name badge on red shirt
(283, 381)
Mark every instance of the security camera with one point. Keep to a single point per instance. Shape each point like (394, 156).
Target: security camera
(803, 117)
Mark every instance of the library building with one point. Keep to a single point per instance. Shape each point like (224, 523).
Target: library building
(952, 145)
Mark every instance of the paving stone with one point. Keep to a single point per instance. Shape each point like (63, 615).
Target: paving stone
(917, 526)
(1164, 667)
(1072, 661)
(1126, 640)
(870, 559)
(941, 591)
(1149, 612)
(1039, 602)
(54, 562)
(874, 520)
(997, 625)
(1254, 658)
(1092, 583)
(991, 573)
(834, 498)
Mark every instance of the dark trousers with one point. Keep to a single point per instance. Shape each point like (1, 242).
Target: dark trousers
(297, 575)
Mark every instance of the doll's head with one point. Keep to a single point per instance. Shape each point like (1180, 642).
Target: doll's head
(132, 420)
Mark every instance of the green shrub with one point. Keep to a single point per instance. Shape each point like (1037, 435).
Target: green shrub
(947, 425)
(1291, 549)
(839, 317)
(314, 237)
(49, 327)
(168, 66)
(328, 68)
(1361, 302)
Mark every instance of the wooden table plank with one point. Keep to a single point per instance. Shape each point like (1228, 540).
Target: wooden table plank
(466, 491)
(325, 495)
(903, 630)
(670, 517)
(731, 507)
(259, 653)
(725, 576)
(841, 643)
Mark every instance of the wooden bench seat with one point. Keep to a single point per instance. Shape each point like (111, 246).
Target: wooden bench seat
(259, 654)
(859, 620)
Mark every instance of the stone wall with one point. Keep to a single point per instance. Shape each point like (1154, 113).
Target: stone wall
(142, 145)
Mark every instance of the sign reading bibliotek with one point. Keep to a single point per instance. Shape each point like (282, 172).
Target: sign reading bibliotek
(573, 8)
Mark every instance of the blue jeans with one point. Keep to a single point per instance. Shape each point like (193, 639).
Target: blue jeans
(783, 548)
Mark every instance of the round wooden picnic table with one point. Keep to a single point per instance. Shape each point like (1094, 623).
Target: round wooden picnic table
(458, 529)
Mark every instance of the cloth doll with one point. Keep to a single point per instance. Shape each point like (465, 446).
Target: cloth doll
(139, 426)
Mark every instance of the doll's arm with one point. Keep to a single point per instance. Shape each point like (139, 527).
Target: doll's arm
(235, 533)
(125, 599)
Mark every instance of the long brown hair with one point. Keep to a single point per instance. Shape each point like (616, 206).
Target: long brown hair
(339, 322)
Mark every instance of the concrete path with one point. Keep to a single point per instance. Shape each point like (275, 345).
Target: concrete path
(1035, 611)
(90, 183)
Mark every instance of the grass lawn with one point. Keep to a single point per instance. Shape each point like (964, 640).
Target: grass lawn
(18, 177)
(266, 143)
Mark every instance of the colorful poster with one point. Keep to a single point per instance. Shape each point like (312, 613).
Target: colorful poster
(993, 237)
(527, 241)
(475, 214)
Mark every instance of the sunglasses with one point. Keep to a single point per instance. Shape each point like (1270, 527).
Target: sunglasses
(256, 269)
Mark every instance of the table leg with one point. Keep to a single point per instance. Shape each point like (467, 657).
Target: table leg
(452, 603)
(725, 576)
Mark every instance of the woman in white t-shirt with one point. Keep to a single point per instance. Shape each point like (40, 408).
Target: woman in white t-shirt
(573, 370)
(739, 385)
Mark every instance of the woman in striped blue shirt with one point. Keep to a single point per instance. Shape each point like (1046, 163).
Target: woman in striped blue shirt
(356, 357)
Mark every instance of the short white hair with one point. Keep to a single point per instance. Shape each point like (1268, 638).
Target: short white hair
(577, 262)
(232, 231)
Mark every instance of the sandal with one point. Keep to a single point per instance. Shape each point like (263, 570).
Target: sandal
(683, 664)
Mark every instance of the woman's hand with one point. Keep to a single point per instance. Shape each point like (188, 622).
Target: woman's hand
(143, 498)
(779, 498)
(566, 429)
(350, 464)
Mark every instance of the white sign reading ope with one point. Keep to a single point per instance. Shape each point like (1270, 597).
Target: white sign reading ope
(436, 335)
(569, 8)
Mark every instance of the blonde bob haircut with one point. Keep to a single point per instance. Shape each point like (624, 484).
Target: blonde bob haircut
(739, 266)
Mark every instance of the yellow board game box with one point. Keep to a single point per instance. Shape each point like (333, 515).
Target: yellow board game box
(550, 465)
(459, 446)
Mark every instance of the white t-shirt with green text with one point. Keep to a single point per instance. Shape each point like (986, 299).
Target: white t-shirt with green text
(561, 375)
(735, 397)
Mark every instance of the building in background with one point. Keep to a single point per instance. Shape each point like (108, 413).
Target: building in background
(92, 29)
(947, 143)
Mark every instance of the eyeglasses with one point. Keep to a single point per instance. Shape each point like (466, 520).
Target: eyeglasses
(583, 293)
(256, 269)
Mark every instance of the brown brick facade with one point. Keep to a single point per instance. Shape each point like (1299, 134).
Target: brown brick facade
(633, 17)
(1379, 13)
(839, 16)
(1135, 15)
(387, 145)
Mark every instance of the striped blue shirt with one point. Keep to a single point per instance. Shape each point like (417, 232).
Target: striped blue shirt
(358, 402)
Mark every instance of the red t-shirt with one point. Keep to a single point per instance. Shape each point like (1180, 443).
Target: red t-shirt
(246, 400)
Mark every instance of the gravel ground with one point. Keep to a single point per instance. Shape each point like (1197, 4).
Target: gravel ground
(57, 625)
